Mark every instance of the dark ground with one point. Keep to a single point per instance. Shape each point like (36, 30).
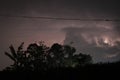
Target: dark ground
(97, 71)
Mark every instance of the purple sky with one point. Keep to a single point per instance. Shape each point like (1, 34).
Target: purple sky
(98, 38)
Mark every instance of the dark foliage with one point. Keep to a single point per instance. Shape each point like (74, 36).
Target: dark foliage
(39, 57)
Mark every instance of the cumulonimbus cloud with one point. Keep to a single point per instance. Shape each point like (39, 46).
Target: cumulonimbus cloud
(102, 43)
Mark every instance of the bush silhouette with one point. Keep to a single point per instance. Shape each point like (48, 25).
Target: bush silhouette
(39, 57)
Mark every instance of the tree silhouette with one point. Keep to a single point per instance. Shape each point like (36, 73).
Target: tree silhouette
(19, 57)
(39, 57)
(55, 55)
(83, 59)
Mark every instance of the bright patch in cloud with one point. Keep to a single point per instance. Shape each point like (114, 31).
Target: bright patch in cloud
(100, 42)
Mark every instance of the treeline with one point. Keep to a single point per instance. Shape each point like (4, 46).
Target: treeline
(39, 57)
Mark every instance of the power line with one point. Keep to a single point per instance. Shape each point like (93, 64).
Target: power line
(60, 18)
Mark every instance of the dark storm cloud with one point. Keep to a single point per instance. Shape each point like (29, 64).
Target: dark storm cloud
(61, 8)
(100, 42)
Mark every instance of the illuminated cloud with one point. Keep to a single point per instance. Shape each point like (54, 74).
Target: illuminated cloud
(100, 42)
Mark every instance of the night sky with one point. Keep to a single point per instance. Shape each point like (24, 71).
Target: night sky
(64, 21)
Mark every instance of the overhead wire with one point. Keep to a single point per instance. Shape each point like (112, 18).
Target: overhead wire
(60, 18)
